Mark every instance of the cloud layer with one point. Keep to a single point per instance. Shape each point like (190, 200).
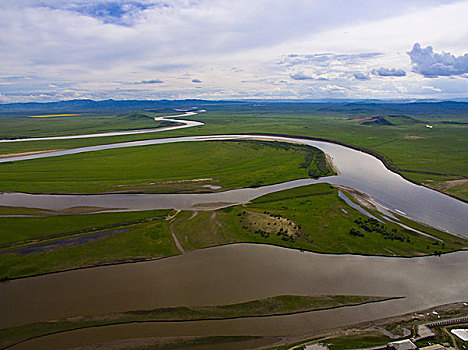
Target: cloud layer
(55, 49)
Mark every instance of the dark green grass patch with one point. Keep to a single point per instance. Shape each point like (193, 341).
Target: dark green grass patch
(21, 230)
(356, 341)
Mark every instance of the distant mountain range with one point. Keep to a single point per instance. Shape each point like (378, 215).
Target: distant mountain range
(428, 108)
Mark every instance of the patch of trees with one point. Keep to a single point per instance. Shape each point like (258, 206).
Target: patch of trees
(373, 225)
(356, 233)
(317, 158)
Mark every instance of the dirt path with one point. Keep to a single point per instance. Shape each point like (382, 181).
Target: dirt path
(170, 218)
(176, 241)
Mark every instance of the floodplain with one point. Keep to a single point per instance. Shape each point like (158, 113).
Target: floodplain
(323, 218)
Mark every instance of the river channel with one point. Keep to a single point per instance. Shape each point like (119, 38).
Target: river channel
(357, 170)
(242, 272)
(231, 274)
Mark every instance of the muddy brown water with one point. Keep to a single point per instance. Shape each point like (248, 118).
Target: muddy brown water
(232, 274)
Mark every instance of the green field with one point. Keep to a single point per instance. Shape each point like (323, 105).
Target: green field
(311, 218)
(21, 126)
(36, 245)
(434, 157)
(356, 341)
(169, 168)
(278, 305)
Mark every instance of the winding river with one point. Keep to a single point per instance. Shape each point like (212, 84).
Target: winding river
(169, 118)
(241, 272)
(357, 170)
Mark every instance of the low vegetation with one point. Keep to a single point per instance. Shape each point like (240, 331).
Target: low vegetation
(310, 218)
(43, 125)
(277, 305)
(36, 245)
(430, 156)
(167, 168)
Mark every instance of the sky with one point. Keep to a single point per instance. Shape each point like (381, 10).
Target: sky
(53, 50)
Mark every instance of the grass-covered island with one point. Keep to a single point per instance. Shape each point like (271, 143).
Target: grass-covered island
(277, 305)
(312, 218)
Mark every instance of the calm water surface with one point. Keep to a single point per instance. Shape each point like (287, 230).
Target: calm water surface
(357, 169)
(232, 274)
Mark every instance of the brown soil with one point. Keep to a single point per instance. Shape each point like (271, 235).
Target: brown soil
(270, 224)
(26, 153)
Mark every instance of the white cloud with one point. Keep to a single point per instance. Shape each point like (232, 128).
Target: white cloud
(389, 72)
(98, 48)
(361, 76)
(431, 64)
(151, 81)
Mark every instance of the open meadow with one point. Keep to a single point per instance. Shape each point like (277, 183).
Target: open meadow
(435, 157)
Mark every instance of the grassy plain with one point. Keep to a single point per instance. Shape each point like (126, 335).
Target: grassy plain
(429, 156)
(178, 167)
(20, 126)
(36, 245)
(277, 305)
(310, 218)
(357, 341)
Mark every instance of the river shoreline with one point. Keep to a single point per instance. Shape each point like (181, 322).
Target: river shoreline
(377, 155)
(302, 250)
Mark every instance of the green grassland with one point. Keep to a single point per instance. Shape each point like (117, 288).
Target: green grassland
(308, 218)
(178, 167)
(132, 236)
(20, 126)
(25, 229)
(277, 305)
(407, 145)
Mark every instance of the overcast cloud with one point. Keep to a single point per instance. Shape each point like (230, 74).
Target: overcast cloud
(52, 50)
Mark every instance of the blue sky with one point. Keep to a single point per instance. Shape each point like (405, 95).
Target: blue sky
(56, 50)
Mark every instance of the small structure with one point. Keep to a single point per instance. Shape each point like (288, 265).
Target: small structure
(435, 347)
(401, 345)
(423, 332)
(461, 333)
(316, 346)
(429, 126)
